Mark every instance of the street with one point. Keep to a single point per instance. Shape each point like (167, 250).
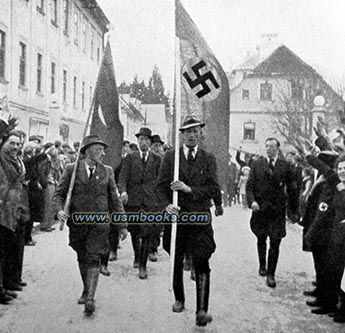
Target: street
(240, 301)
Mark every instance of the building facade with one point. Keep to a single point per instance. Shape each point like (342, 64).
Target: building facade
(50, 55)
(276, 99)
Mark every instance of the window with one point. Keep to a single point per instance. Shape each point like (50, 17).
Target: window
(84, 36)
(39, 73)
(83, 95)
(40, 6)
(75, 29)
(54, 11)
(53, 72)
(64, 86)
(266, 92)
(2, 54)
(245, 94)
(65, 16)
(249, 131)
(75, 92)
(92, 44)
(22, 63)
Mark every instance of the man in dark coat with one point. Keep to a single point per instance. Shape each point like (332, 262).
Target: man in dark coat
(266, 196)
(197, 185)
(137, 184)
(94, 191)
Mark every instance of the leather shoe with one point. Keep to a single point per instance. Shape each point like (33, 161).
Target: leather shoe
(270, 281)
(323, 310)
(310, 293)
(82, 299)
(11, 293)
(22, 284)
(315, 303)
(178, 306)
(339, 318)
(202, 318)
(4, 298)
(136, 264)
(30, 243)
(14, 286)
(153, 257)
(262, 272)
(142, 273)
(104, 270)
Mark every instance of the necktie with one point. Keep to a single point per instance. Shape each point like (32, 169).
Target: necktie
(144, 157)
(190, 157)
(91, 172)
(270, 164)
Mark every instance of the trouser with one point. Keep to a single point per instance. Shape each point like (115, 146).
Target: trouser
(114, 234)
(14, 255)
(155, 239)
(273, 253)
(48, 219)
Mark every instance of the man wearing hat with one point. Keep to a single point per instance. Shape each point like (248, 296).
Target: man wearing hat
(268, 178)
(157, 145)
(137, 183)
(197, 185)
(94, 191)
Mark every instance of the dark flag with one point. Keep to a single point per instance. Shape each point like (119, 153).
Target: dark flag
(105, 118)
(204, 88)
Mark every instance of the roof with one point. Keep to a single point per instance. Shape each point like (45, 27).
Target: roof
(132, 109)
(250, 63)
(284, 62)
(97, 12)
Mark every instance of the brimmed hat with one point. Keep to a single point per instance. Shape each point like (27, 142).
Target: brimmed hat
(144, 131)
(35, 137)
(91, 140)
(157, 138)
(191, 120)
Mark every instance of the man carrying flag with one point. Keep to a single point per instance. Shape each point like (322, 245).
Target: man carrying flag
(197, 185)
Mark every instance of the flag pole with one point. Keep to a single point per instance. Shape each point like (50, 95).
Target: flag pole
(74, 173)
(177, 117)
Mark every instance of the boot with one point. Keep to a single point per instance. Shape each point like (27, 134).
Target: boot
(178, 287)
(136, 248)
(83, 274)
(4, 297)
(144, 253)
(202, 296)
(92, 280)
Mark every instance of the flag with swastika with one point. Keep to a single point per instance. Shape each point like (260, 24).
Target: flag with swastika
(204, 88)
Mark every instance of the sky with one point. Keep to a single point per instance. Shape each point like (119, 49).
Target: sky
(143, 33)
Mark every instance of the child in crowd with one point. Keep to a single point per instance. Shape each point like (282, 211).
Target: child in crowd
(242, 185)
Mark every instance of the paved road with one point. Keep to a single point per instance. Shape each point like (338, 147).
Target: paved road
(240, 301)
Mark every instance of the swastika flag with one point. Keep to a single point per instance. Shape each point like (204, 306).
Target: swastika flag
(105, 117)
(205, 88)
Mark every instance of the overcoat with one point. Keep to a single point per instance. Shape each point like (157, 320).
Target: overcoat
(270, 189)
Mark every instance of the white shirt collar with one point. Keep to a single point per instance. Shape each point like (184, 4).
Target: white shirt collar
(147, 154)
(274, 160)
(186, 150)
(88, 170)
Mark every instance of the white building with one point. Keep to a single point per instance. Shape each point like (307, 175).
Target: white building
(50, 54)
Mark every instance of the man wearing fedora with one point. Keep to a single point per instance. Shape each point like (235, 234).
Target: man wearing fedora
(197, 185)
(137, 183)
(157, 145)
(94, 191)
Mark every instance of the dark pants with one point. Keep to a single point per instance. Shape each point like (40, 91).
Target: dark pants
(273, 253)
(11, 255)
(113, 242)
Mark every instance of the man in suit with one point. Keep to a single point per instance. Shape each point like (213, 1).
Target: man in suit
(197, 185)
(94, 191)
(266, 196)
(137, 184)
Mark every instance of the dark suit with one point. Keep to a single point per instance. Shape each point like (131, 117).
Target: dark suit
(99, 194)
(196, 240)
(139, 180)
(267, 188)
